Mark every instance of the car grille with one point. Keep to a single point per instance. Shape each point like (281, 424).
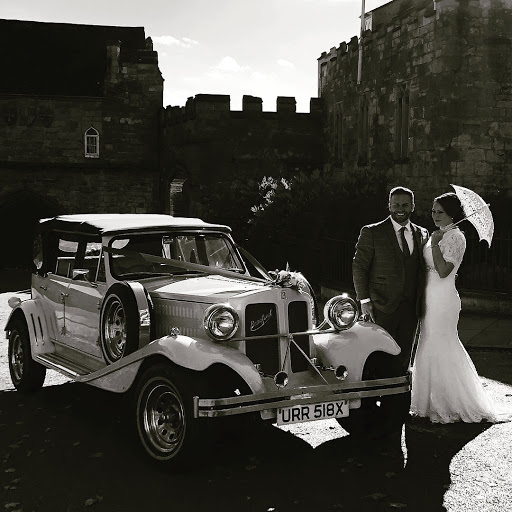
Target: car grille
(261, 320)
(298, 321)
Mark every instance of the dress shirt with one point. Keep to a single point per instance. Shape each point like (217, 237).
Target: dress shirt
(407, 234)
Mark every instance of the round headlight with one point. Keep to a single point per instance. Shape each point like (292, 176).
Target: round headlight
(220, 322)
(341, 312)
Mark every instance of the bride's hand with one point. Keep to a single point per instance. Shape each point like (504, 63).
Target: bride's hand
(437, 236)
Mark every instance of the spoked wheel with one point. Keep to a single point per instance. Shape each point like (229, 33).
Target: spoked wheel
(379, 417)
(26, 374)
(165, 423)
(119, 329)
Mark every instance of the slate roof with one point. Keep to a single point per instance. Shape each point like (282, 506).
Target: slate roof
(59, 58)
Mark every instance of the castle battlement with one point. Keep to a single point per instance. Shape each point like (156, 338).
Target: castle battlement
(384, 26)
(217, 106)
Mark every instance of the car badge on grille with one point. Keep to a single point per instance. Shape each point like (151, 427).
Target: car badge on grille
(258, 324)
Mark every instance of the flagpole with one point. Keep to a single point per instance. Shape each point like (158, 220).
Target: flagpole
(360, 60)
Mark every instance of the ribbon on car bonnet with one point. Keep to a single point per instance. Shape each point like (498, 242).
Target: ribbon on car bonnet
(185, 265)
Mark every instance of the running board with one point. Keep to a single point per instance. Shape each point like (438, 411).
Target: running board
(63, 365)
(80, 372)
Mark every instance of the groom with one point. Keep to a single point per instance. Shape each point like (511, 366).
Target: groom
(388, 271)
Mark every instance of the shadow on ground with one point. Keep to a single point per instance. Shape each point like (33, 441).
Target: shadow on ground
(67, 448)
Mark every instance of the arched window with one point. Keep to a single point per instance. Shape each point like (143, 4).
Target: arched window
(92, 143)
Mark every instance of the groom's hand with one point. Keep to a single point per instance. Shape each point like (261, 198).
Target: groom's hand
(367, 311)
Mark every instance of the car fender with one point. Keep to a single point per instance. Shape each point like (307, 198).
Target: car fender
(352, 347)
(33, 313)
(193, 354)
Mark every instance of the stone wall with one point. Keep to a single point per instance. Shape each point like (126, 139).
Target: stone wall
(43, 149)
(43, 166)
(453, 62)
(207, 142)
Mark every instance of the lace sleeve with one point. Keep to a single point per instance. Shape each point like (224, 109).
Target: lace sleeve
(453, 246)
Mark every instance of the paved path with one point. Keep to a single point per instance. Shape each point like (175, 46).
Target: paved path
(485, 330)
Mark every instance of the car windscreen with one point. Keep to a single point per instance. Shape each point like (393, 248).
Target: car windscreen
(153, 254)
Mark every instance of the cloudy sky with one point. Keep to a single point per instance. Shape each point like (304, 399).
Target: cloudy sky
(265, 48)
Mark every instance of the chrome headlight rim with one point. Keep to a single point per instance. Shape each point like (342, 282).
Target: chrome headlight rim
(212, 313)
(332, 304)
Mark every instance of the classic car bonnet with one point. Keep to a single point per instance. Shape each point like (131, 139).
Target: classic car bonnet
(213, 287)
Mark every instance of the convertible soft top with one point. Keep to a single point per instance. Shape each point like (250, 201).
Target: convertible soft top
(110, 223)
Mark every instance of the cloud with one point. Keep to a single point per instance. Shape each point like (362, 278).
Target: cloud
(191, 42)
(230, 65)
(285, 63)
(184, 42)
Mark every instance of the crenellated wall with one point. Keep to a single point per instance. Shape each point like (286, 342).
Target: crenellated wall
(452, 62)
(206, 141)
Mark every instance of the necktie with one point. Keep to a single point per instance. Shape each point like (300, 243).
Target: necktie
(405, 245)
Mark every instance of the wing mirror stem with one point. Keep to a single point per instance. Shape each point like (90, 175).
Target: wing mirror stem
(83, 274)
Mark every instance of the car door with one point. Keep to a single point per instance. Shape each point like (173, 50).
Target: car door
(84, 296)
(52, 287)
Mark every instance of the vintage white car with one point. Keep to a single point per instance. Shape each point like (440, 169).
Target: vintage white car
(172, 311)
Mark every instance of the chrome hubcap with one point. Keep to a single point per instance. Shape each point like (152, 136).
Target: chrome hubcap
(164, 419)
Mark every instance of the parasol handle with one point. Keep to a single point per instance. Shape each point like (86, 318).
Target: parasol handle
(451, 226)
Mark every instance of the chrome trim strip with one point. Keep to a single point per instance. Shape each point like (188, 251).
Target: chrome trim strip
(286, 334)
(210, 408)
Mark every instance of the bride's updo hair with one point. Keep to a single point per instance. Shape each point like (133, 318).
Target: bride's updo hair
(451, 205)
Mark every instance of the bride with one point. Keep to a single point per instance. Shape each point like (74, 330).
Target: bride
(445, 385)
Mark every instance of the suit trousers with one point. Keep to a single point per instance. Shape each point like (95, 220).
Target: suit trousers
(401, 324)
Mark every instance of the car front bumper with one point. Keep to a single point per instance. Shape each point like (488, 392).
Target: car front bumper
(210, 408)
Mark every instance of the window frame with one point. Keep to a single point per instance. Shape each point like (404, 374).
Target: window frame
(364, 131)
(92, 141)
(402, 121)
(338, 134)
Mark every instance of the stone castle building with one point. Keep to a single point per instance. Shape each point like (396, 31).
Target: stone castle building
(433, 105)
(80, 110)
(83, 127)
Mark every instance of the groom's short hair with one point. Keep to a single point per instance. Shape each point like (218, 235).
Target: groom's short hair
(401, 190)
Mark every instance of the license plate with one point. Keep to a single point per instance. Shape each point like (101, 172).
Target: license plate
(312, 412)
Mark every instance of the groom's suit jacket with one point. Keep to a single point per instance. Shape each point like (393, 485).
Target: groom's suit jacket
(378, 268)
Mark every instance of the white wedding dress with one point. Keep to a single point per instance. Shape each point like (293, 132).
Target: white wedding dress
(445, 384)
